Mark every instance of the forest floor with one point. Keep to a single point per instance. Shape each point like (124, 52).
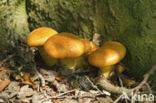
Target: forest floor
(25, 79)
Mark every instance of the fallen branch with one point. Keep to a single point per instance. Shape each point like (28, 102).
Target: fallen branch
(106, 85)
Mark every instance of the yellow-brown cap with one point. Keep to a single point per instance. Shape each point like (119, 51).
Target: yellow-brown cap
(93, 47)
(89, 46)
(64, 45)
(110, 53)
(40, 35)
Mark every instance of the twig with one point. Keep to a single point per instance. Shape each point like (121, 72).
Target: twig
(119, 76)
(120, 80)
(39, 75)
(146, 77)
(118, 99)
(76, 97)
(149, 88)
(70, 91)
(80, 96)
(9, 57)
(94, 86)
(59, 95)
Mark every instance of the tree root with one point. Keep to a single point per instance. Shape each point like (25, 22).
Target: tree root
(106, 85)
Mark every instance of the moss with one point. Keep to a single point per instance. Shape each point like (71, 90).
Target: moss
(14, 23)
(62, 15)
(133, 24)
(130, 22)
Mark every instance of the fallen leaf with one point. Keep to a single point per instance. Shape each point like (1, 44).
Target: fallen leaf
(48, 75)
(3, 84)
(120, 68)
(2, 101)
(2, 68)
(129, 82)
(50, 91)
(60, 87)
(67, 100)
(106, 99)
(56, 101)
(58, 79)
(5, 73)
(27, 79)
(25, 92)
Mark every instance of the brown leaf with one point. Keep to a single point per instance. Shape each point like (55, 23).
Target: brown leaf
(49, 75)
(25, 92)
(56, 101)
(60, 87)
(2, 68)
(129, 82)
(58, 79)
(27, 79)
(120, 68)
(3, 84)
(50, 91)
(67, 100)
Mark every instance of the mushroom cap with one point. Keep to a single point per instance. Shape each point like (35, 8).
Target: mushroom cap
(93, 47)
(40, 35)
(89, 46)
(64, 45)
(110, 53)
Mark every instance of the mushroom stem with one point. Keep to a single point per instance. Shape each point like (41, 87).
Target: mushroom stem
(49, 61)
(73, 63)
(106, 71)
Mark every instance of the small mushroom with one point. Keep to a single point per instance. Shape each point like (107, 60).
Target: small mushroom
(105, 57)
(37, 38)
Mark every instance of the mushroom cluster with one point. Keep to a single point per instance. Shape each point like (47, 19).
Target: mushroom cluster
(69, 50)
(66, 47)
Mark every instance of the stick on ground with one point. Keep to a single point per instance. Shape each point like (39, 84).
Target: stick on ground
(106, 85)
